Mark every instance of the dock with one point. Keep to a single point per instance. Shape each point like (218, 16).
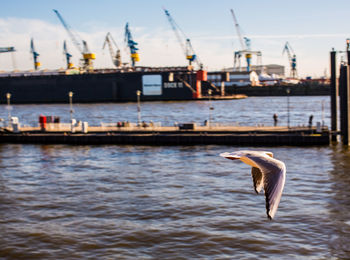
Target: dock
(183, 134)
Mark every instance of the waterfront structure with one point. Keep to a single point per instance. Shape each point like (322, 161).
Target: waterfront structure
(244, 78)
(112, 85)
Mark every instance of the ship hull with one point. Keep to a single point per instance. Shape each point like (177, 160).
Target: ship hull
(98, 87)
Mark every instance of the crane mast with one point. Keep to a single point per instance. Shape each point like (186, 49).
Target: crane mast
(67, 55)
(245, 45)
(292, 58)
(116, 57)
(238, 29)
(81, 45)
(184, 42)
(132, 46)
(35, 55)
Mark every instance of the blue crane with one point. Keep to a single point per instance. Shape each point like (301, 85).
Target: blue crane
(81, 45)
(245, 48)
(35, 55)
(7, 49)
(292, 58)
(184, 42)
(67, 55)
(12, 50)
(132, 46)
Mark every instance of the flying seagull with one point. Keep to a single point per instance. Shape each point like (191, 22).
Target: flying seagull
(267, 172)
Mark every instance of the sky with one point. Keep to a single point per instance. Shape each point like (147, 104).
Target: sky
(311, 27)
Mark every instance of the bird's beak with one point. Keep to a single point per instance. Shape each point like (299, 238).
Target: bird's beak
(232, 158)
(229, 156)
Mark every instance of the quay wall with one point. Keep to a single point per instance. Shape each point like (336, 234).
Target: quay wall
(307, 89)
(270, 139)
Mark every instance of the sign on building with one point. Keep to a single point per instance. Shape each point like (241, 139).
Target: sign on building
(151, 85)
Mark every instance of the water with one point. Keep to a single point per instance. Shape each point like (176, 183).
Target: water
(171, 202)
(251, 111)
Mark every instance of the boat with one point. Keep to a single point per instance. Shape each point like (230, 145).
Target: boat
(109, 85)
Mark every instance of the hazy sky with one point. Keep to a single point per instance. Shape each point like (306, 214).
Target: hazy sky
(311, 27)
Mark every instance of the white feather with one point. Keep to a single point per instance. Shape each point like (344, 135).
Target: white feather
(270, 173)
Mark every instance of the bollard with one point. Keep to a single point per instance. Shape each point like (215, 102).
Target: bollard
(15, 124)
(73, 122)
(344, 103)
(318, 127)
(85, 127)
(334, 95)
(222, 89)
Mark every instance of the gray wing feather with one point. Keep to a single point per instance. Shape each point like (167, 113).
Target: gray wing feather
(273, 186)
(267, 172)
(257, 179)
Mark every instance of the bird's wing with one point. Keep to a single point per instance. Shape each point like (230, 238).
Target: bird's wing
(274, 180)
(269, 154)
(267, 172)
(256, 172)
(257, 179)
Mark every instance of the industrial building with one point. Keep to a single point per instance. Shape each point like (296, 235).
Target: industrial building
(244, 78)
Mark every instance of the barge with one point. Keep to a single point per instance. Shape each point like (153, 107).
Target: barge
(182, 134)
(110, 85)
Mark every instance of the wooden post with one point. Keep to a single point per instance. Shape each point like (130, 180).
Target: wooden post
(222, 88)
(347, 104)
(334, 96)
(344, 103)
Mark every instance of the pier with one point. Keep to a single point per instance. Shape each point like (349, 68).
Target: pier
(182, 134)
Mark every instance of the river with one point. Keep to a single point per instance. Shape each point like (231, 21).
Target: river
(171, 202)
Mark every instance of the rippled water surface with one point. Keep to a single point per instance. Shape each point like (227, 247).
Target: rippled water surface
(171, 202)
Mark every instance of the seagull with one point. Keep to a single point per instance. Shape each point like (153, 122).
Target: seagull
(267, 172)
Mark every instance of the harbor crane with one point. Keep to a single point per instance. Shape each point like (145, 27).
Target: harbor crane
(184, 42)
(81, 45)
(7, 49)
(12, 50)
(132, 46)
(67, 55)
(115, 55)
(292, 58)
(35, 55)
(245, 49)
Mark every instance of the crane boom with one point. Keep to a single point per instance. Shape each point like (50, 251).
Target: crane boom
(288, 49)
(238, 29)
(176, 30)
(12, 50)
(7, 49)
(116, 57)
(77, 42)
(184, 42)
(245, 45)
(292, 58)
(67, 55)
(80, 44)
(132, 45)
(35, 55)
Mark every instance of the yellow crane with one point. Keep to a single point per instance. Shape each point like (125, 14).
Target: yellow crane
(35, 55)
(245, 49)
(80, 44)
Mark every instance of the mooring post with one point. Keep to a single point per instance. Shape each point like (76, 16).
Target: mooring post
(347, 104)
(334, 96)
(344, 106)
